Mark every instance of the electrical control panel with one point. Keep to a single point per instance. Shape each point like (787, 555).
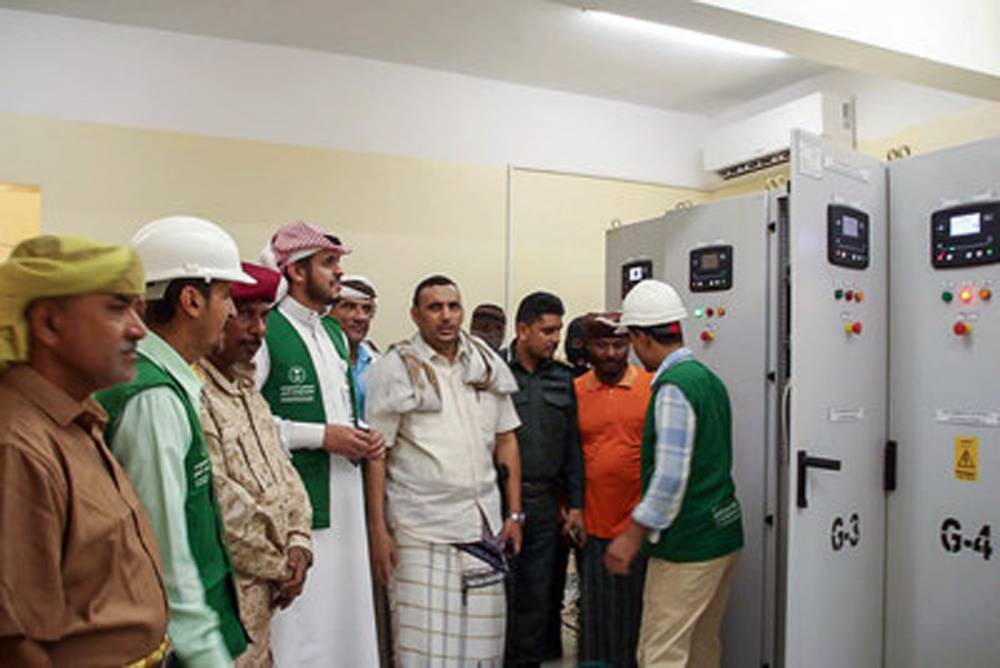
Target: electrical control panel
(635, 272)
(711, 268)
(966, 235)
(847, 234)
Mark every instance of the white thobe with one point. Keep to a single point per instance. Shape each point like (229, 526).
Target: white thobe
(332, 623)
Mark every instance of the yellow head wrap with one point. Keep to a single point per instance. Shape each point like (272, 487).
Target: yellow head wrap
(59, 266)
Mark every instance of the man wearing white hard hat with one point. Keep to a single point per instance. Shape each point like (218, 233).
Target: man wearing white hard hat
(689, 521)
(155, 432)
(303, 370)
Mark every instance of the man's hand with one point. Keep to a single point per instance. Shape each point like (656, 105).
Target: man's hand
(574, 526)
(299, 561)
(341, 439)
(623, 549)
(383, 553)
(511, 534)
(376, 445)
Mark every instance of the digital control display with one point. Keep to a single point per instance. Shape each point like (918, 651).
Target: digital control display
(635, 272)
(965, 235)
(847, 234)
(711, 269)
(970, 223)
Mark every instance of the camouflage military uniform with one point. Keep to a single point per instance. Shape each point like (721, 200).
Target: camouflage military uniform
(264, 506)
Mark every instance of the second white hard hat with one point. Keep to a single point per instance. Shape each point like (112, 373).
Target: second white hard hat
(187, 247)
(651, 303)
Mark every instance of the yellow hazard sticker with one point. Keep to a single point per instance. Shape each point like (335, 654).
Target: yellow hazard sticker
(967, 458)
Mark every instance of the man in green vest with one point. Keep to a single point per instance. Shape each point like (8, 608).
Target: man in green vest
(303, 370)
(688, 521)
(154, 430)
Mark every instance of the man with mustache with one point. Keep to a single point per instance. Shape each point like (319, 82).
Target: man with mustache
(303, 370)
(442, 398)
(155, 432)
(354, 310)
(80, 577)
(612, 398)
(552, 481)
(265, 509)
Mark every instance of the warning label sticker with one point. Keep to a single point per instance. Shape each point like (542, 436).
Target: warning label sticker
(967, 458)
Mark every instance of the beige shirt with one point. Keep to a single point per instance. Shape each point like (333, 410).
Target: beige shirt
(265, 509)
(79, 567)
(440, 475)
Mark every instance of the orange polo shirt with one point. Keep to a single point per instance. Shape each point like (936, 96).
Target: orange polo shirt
(611, 422)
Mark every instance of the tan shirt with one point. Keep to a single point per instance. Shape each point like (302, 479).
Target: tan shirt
(265, 509)
(79, 567)
(440, 475)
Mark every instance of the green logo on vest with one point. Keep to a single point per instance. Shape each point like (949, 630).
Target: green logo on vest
(297, 375)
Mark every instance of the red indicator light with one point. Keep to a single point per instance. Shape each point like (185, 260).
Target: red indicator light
(965, 295)
(849, 295)
(709, 311)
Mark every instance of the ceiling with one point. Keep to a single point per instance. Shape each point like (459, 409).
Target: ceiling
(532, 42)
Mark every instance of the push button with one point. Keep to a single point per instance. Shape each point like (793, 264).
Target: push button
(707, 336)
(962, 328)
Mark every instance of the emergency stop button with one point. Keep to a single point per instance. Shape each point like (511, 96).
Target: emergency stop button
(962, 328)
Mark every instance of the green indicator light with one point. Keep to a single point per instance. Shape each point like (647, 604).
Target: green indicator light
(698, 313)
(838, 294)
(989, 251)
(946, 297)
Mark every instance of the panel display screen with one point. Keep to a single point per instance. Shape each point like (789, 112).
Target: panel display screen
(634, 272)
(711, 269)
(847, 236)
(962, 226)
(966, 235)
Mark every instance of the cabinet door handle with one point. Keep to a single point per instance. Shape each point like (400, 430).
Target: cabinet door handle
(805, 462)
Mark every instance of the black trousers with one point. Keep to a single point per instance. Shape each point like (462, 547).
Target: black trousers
(535, 588)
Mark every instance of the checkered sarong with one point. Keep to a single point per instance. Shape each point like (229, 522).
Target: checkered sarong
(441, 618)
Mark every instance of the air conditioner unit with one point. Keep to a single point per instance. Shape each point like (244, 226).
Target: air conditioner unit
(762, 141)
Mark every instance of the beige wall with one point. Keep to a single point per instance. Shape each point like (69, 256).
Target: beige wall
(20, 214)
(405, 218)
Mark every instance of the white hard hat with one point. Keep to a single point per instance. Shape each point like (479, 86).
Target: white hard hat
(187, 247)
(651, 303)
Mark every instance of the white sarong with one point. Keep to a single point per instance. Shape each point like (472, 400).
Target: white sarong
(438, 623)
(332, 623)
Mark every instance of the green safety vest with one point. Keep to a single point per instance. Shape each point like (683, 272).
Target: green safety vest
(709, 524)
(292, 389)
(201, 509)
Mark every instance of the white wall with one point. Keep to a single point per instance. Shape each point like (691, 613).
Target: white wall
(83, 70)
(884, 106)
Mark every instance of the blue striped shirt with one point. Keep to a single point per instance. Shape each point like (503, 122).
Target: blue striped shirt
(674, 421)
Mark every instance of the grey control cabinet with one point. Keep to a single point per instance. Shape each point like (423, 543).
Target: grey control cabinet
(866, 405)
(943, 593)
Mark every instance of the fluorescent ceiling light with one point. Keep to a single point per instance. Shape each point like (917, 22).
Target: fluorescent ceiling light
(684, 36)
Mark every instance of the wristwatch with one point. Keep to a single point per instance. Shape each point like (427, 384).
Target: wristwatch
(517, 517)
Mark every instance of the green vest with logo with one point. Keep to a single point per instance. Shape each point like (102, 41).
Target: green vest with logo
(201, 509)
(709, 523)
(292, 390)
